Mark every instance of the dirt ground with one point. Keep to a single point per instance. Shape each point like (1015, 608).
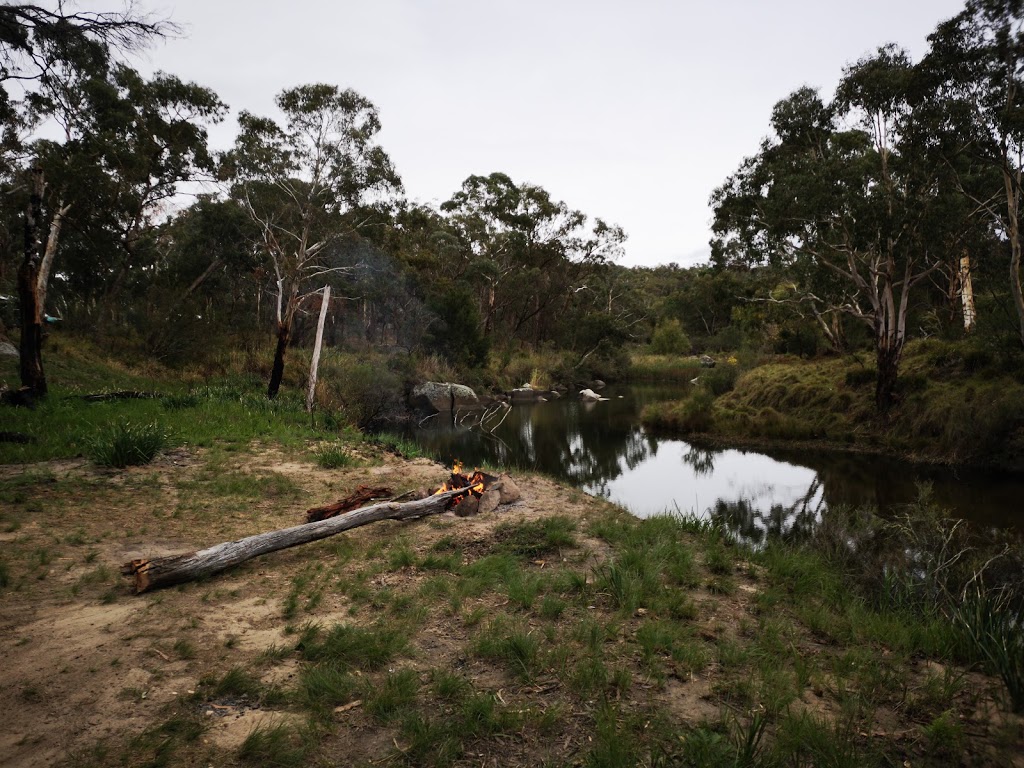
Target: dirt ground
(87, 666)
(85, 660)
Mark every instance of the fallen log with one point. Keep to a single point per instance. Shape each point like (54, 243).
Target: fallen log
(124, 394)
(177, 569)
(362, 495)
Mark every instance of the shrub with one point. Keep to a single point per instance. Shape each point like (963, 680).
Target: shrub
(690, 415)
(669, 339)
(992, 628)
(720, 379)
(128, 445)
(364, 391)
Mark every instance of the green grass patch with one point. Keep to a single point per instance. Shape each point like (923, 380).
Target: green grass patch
(334, 456)
(128, 444)
(536, 538)
(511, 645)
(277, 746)
(353, 647)
(391, 697)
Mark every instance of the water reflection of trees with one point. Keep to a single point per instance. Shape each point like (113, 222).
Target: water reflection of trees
(754, 526)
(585, 448)
(701, 459)
(593, 449)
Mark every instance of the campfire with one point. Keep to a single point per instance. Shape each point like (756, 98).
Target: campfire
(477, 482)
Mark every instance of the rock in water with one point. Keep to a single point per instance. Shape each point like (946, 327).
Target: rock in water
(433, 396)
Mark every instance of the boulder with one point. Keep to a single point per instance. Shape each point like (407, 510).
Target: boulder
(597, 384)
(590, 396)
(524, 395)
(508, 490)
(707, 362)
(469, 506)
(433, 396)
(488, 501)
(8, 350)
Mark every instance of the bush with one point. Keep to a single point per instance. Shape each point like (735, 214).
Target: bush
(457, 333)
(669, 339)
(334, 456)
(364, 391)
(128, 445)
(694, 414)
(993, 631)
(720, 379)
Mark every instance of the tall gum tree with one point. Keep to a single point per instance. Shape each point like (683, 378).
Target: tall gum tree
(43, 47)
(976, 69)
(528, 252)
(836, 192)
(129, 145)
(300, 181)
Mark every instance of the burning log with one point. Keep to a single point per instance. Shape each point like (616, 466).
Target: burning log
(486, 491)
(177, 569)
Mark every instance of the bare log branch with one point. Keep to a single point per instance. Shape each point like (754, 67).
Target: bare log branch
(177, 569)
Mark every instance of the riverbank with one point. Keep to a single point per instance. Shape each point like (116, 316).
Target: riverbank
(560, 630)
(955, 405)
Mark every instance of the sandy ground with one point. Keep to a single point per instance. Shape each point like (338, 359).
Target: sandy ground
(87, 665)
(86, 662)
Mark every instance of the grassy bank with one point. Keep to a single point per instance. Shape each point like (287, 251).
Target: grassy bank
(582, 637)
(956, 404)
(560, 631)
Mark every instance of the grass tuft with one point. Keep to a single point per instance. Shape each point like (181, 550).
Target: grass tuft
(127, 445)
(334, 456)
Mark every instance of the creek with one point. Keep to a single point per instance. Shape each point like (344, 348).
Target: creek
(603, 449)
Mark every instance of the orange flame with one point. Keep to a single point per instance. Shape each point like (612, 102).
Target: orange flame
(475, 483)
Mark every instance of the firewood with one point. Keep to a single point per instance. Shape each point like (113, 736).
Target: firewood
(177, 569)
(362, 495)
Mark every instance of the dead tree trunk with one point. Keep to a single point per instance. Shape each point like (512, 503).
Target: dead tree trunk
(177, 569)
(31, 344)
(277, 372)
(967, 293)
(315, 364)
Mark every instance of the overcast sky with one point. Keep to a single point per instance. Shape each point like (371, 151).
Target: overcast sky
(631, 111)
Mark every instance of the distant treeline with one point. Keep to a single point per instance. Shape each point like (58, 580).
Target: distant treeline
(890, 209)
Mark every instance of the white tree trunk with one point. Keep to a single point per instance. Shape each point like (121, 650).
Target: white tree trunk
(967, 293)
(316, 348)
(46, 265)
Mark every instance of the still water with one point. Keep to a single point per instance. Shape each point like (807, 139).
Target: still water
(603, 449)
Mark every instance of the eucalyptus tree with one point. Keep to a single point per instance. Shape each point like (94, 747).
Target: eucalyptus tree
(34, 39)
(143, 140)
(838, 196)
(41, 51)
(976, 73)
(299, 180)
(527, 252)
